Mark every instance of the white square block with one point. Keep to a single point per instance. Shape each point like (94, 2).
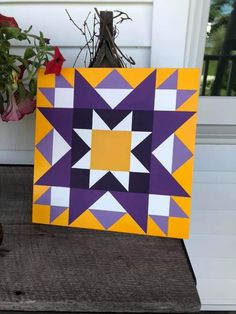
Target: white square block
(60, 196)
(64, 98)
(165, 99)
(159, 205)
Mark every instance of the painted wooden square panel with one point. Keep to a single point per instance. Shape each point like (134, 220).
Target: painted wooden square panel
(114, 149)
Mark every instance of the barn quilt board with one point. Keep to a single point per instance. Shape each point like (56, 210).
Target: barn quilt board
(114, 149)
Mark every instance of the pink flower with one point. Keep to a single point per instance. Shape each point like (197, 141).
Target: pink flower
(27, 105)
(54, 66)
(7, 21)
(12, 112)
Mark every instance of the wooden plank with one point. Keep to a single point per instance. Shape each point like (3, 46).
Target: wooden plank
(47, 268)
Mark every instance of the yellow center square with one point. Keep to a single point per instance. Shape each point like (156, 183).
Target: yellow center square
(110, 150)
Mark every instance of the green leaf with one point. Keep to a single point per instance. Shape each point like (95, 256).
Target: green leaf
(21, 90)
(32, 87)
(29, 53)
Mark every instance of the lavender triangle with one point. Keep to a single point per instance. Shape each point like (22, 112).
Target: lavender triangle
(107, 218)
(175, 210)
(56, 211)
(49, 93)
(182, 96)
(114, 80)
(45, 146)
(170, 82)
(180, 154)
(162, 222)
(62, 82)
(45, 199)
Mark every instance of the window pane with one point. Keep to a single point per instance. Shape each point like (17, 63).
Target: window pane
(219, 68)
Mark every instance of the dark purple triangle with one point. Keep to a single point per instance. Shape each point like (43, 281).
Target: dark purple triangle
(175, 210)
(170, 82)
(112, 117)
(107, 218)
(143, 152)
(62, 120)
(45, 199)
(182, 96)
(114, 80)
(58, 174)
(162, 182)
(85, 95)
(180, 154)
(79, 148)
(108, 182)
(136, 205)
(167, 122)
(142, 97)
(162, 222)
(62, 82)
(56, 211)
(49, 93)
(81, 200)
(45, 146)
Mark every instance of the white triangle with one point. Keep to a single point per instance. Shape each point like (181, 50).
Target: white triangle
(98, 123)
(84, 162)
(138, 137)
(122, 177)
(125, 124)
(136, 165)
(164, 152)
(85, 135)
(108, 202)
(113, 96)
(60, 147)
(95, 176)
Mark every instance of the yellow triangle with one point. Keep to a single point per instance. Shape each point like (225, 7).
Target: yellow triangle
(136, 75)
(184, 203)
(41, 165)
(43, 127)
(188, 78)
(163, 75)
(62, 220)
(187, 133)
(178, 228)
(42, 101)
(69, 75)
(38, 191)
(126, 224)
(88, 221)
(41, 214)
(153, 229)
(191, 104)
(184, 175)
(47, 80)
(94, 75)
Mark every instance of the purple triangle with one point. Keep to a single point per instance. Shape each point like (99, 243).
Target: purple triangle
(112, 117)
(108, 181)
(182, 96)
(62, 120)
(45, 199)
(56, 211)
(162, 182)
(107, 218)
(81, 200)
(180, 154)
(162, 222)
(142, 97)
(175, 210)
(58, 174)
(136, 204)
(170, 82)
(85, 95)
(141, 150)
(45, 146)
(167, 122)
(62, 82)
(114, 80)
(49, 93)
(80, 148)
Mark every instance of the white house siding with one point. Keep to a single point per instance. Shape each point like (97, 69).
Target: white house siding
(212, 245)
